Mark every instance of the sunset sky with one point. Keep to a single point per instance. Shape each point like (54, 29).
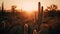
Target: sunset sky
(29, 4)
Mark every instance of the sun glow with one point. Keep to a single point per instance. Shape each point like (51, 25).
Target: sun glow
(28, 6)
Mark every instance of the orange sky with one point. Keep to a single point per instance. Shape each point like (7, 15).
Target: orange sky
(29, 4)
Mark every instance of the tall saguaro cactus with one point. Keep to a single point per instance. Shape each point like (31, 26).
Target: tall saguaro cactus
(39, 7)
(2, 6)
(40, 15)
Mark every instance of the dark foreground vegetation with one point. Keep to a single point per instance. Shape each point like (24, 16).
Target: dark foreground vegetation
(13, 22)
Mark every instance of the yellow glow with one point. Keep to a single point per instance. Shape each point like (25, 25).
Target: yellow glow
(28, 6)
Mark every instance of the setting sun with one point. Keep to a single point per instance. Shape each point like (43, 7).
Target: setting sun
(29, 6)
